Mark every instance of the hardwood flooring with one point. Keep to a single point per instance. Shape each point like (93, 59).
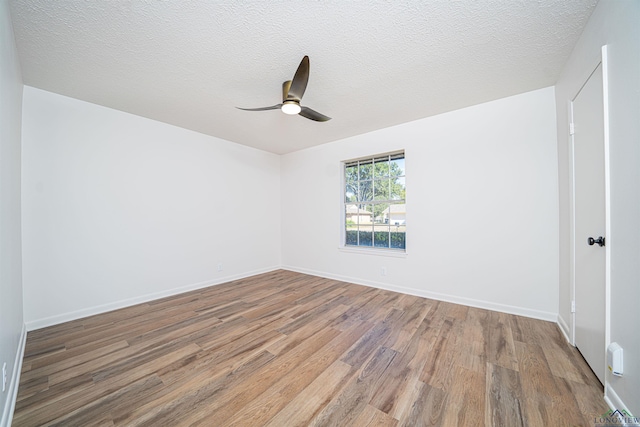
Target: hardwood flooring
(288, 349)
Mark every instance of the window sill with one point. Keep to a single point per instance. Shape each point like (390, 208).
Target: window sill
(393, 253)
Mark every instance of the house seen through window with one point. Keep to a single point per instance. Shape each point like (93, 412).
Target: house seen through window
(374, 202)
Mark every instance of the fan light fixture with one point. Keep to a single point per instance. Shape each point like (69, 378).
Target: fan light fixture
(292, 91)
(290, 107)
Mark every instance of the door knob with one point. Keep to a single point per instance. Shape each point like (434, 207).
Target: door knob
(600, 241)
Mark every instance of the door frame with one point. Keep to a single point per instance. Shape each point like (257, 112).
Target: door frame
(600, 60)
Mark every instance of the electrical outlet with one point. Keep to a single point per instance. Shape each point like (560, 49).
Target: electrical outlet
(383, 271)
(4, 376)
(219, 266)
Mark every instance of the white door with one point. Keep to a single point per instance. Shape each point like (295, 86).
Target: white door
(589, 181)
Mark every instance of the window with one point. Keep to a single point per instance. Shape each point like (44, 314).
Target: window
(374, 202)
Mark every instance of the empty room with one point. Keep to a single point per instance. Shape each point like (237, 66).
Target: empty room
(320, 213)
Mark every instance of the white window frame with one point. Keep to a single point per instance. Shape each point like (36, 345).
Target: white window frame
(369, 250)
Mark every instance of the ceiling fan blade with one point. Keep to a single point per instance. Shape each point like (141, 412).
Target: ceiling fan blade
(313, 115)
(273, 107)
(300, 80)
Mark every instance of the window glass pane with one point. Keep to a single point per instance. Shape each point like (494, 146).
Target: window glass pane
(397, 216)
(381, 229)
(398, 190)
(365, 190)
(351, 237)
(380, 212)
(351, 214)
(398, 228)
(365, 214)
(351, 224)
(397, 167)
(381, 239)
(351, 172)
(351, 191)
(381, 189)
(366, 169)
(398, 240)
(381, 167)
(365, 235)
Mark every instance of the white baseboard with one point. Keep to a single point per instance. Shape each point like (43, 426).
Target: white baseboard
(12, 393)
(488, 305)
(103, 308)
(613, 400)
(564, 327)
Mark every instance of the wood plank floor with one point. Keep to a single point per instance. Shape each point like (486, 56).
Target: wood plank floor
(287, 349)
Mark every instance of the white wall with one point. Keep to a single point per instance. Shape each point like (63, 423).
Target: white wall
(11, 320)
(615, 23)
(119, 209)
(482, 207)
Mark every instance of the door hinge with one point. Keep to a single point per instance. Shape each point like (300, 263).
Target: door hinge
(573, 306)
(572, 129)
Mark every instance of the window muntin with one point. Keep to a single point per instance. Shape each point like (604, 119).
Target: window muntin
(374, 202)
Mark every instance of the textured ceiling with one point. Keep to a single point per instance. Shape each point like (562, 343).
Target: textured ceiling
(373, 63)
